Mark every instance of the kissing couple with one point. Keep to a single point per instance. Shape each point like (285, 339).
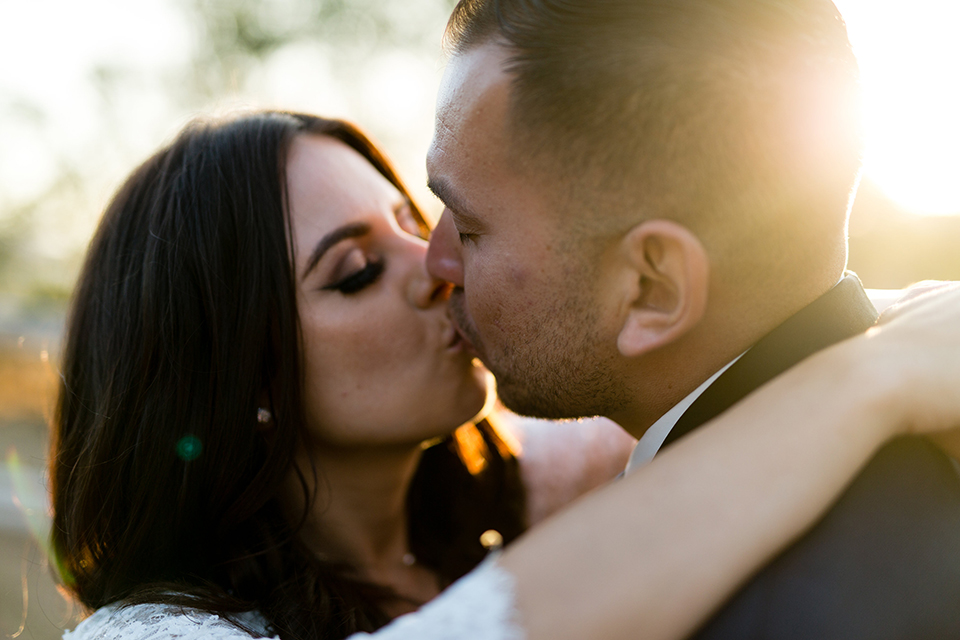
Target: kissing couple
(272, 421)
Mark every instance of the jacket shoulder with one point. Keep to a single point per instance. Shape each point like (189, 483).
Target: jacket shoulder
(884, 562)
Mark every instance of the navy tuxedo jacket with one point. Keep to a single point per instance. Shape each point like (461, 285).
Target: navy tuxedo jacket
(884, 562)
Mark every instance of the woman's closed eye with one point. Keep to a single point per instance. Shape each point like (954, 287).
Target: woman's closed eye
(359, 279)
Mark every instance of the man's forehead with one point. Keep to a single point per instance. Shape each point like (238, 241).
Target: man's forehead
(473, 93)
(471, 165)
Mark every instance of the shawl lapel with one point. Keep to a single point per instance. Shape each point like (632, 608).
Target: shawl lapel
(841, 313)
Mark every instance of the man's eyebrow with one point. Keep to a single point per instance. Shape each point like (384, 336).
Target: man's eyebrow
(352, 230)
(442, 190)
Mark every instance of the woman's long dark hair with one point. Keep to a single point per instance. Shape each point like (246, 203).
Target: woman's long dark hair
(165, 487)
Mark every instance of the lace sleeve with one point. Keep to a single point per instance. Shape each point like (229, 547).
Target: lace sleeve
(478, 606)
(163, 622)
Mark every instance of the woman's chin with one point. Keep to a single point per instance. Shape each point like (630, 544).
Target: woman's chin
(476, 400)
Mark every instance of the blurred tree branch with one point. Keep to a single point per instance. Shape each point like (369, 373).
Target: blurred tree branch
(236, 35)
(232, 39)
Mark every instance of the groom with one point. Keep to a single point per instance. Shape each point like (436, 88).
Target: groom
(646, 209)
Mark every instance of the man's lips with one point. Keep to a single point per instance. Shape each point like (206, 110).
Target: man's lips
(460, 342)
(457, 315)
(453, 338)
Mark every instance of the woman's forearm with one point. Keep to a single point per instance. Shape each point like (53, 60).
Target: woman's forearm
(654, 554)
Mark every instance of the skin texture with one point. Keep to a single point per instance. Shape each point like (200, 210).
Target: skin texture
(623, 327)
(525, 299)
(391, 340)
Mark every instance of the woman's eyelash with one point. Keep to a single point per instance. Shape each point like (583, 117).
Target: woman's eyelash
(358, 280)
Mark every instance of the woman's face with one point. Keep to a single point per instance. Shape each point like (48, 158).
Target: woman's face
(382, 362)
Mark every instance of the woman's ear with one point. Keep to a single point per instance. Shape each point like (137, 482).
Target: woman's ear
(669, 275)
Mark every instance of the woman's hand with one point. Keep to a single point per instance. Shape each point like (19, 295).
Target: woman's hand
(916, 295)
(916, 360)
(913, 356)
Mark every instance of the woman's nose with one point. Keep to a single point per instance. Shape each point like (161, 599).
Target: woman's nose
(425, 290)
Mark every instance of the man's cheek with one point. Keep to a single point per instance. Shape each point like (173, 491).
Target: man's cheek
(519, 278)
(498, 292)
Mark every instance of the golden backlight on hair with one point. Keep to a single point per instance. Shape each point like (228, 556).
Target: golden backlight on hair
(471, 448)
(473, 451)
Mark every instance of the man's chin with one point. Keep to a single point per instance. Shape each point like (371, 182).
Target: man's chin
(527, 402)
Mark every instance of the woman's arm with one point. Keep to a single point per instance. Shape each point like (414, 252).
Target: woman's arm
(656, 553)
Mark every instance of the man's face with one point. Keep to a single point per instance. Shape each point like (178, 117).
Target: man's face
(527, 296)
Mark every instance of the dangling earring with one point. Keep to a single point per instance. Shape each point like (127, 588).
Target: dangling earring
(264, 416)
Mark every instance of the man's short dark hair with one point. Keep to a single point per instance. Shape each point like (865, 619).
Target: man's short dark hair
(737, 118)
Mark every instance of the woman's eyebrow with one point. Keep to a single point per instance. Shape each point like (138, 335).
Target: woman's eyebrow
(351, 230)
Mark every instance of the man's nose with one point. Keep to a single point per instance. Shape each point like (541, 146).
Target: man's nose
(443, 256)
(426, 292)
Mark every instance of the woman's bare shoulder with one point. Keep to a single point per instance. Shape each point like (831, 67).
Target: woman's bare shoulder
(562, 460)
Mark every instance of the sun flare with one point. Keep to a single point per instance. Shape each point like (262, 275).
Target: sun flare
(909, 57)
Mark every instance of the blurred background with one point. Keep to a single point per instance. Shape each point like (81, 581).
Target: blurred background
(88, 89)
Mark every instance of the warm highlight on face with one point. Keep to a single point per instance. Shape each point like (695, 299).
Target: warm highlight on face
(382, 363)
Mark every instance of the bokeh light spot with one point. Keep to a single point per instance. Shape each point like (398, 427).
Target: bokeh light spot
(189, 448)
(491, 539)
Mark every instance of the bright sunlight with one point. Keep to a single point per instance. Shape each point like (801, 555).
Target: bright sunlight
(909, 57)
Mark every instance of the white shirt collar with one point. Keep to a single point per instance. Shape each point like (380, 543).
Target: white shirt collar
(651, 441)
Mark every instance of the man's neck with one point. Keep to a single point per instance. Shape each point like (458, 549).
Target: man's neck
(651, 441)
(664, 378)
(671, 380)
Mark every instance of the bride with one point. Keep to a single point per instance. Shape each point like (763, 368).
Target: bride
(255, 359)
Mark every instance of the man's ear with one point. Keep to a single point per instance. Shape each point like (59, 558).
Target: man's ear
(668, 276)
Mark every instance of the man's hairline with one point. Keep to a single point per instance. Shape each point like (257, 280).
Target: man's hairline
(543, 171)
(539, 170)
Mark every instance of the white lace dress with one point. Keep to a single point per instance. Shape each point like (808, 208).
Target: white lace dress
(479, 606)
